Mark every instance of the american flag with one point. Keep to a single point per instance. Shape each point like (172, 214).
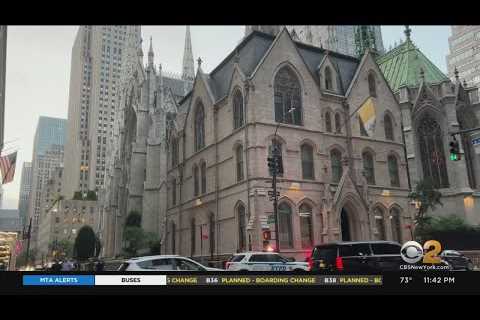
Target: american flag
(7, 166)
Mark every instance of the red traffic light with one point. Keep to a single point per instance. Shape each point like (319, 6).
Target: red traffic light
(267, 235)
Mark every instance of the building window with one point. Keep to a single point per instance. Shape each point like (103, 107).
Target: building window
(195, 180)
(380, 224)
(393, 171)
(203, 173)
(287, 97)
(173, 231)
(307, 162)
(328, 122)
(239, 156)
(371, 85)
(199, 127)
(368, 167)
(174, 152)
(192, 237)
(285, 225)
(431, 150)
(328, 78)
(388, 127)
(174, 192)
(336, 163)
(396, 225)
(338, 125)
(212, 234)
(237, 109)
(242, 234)
(306, 232)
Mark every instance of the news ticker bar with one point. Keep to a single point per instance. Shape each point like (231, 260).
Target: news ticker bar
(174, 280)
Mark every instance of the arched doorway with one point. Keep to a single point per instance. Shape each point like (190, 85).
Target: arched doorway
(345, 226)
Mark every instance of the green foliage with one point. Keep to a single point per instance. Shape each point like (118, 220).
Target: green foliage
(428, 198)
(134, 239)
(85, 243)
(91, 195)
(134, 219)
(77, 195)
(153, 242)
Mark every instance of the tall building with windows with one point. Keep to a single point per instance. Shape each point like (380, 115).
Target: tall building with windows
(464, 54)
(25, 189)
(3, 69)
(97, 56)
(47, 155)
(338, 38)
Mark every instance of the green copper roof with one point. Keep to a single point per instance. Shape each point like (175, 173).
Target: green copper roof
(401, 67)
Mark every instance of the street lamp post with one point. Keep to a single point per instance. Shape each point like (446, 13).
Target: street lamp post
(276, 162)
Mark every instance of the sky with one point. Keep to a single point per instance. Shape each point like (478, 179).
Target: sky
(38, 71)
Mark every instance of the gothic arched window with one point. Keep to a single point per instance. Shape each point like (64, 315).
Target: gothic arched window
(328, 78)
(396, 224)
(388, 125)
(328, 122)
(287, 97)
(308, 171)
(239, 156)
(237, 109)
(192, 237)
(306, 224)
(212, 233)
(174, 144)
(336, 163)
(368, 167)
(242, 231)
(371, 85)
(393, 171)
(338, 124)
(432, 154)
(203, 174)
(285, 225)
(173, 231)
(199, 127)
(195, 180)
(380, 224)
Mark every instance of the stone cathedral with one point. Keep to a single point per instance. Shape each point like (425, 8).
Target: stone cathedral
(355, 134)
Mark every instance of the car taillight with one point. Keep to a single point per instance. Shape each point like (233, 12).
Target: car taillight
(339, 263)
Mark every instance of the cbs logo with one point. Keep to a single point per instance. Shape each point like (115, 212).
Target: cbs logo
(413, 252)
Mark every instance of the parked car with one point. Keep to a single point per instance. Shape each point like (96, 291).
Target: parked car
(163, 263)
(263, 261)
(457, 260)
(357, 257)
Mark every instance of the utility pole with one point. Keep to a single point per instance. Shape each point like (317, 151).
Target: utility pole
(27, 236)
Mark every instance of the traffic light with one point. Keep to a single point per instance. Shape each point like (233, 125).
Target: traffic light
(267, 235)
(454, 150)
(279, 164)
(271, 165)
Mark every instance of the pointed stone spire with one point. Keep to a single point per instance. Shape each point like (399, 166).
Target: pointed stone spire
(408, 32)
(150, 54)
(188, 72)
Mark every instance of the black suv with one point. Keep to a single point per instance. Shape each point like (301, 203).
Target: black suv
(358, 256)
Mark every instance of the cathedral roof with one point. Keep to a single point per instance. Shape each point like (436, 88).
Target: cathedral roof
(176, 85)
(253, 48)
(402, 66)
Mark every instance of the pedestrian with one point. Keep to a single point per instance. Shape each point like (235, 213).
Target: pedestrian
(56, 266)
(66, 266)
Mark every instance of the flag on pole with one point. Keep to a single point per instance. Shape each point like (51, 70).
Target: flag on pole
(7, 166)
(367, 118)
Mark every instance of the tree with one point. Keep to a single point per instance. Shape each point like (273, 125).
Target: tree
(62, 248)
(77, 195)
(91, 195)
(85, 243)
(428, 198)
(134, 239)
(134, 219)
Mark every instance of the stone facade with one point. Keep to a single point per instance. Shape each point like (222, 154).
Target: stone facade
(225, 214)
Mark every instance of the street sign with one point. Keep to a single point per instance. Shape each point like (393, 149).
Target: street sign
(271, 219)
(476, 142)
(270, 193)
